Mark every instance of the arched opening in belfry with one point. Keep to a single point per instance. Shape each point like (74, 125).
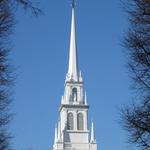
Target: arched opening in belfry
(74, 94)
(70, 121)
(80, 121)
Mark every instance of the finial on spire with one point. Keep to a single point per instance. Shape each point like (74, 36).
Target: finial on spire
(93, 140)
(80, 76)
(85, 99)
(55, 140)
(62, 99)
(73, 3)
(59, 131)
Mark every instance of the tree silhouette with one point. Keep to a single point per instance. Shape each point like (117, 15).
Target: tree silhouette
(136, 117)
(7, 23)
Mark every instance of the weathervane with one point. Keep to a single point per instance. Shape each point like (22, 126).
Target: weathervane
(73, 3)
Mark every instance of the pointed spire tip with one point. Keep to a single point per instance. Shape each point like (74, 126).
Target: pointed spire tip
(72, 74)
(73, 3)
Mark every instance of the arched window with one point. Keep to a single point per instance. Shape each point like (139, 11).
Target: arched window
(80, 121)
(74, 94)
(70, 121)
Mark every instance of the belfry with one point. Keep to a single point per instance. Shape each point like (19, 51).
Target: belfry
(71, 132)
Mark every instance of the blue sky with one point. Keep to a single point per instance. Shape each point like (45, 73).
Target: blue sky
(40, 55)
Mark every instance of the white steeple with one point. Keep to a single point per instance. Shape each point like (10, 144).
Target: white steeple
(73, 62)
(72, 132)
(92, 133)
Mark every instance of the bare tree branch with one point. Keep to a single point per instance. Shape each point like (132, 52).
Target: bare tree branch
(136, 118)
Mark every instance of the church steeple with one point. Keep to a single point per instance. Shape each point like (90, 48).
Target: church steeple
(73, 61)
(72, 131)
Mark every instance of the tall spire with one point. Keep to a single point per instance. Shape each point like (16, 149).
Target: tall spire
(73, 64)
